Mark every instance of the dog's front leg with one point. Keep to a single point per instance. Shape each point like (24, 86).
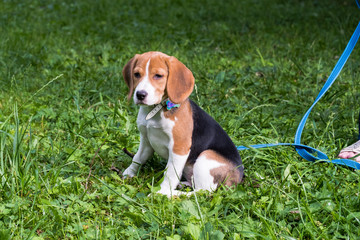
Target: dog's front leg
(143, 154)
(173, 172)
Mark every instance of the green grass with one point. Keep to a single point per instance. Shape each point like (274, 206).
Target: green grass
(259, 65)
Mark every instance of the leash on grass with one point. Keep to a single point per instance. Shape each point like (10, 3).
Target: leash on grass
(306, 152)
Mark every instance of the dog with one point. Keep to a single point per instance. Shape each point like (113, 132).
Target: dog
(177, 129)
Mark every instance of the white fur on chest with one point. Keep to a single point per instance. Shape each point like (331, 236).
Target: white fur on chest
(157, 130)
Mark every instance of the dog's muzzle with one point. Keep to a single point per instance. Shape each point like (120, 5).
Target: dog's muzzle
(141, 95)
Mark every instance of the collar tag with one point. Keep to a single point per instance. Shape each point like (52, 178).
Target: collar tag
(153, 112)
(169, 105)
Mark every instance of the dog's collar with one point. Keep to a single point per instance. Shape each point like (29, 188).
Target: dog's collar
(169, 105)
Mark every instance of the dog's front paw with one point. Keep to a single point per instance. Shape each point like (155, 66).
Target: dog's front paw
(172, 193)
(167, 193)
(128, 173)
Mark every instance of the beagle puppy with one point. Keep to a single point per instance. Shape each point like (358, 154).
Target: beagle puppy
(174, 127)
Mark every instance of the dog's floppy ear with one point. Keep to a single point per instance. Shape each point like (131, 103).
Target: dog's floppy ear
(180, 81)
(128, 74)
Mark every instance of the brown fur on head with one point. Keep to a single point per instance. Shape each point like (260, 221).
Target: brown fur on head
(179, 79)
(128, 74)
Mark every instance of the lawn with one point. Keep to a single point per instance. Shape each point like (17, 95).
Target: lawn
(258, 65)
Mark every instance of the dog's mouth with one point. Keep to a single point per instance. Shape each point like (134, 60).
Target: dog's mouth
(146, 102)
(140, 102)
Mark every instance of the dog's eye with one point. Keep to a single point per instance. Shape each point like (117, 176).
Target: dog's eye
(137, 75)
(158, 76)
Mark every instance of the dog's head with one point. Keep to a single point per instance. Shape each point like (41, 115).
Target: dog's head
(152, 76)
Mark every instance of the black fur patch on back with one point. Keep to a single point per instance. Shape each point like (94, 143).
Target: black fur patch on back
(208, 134)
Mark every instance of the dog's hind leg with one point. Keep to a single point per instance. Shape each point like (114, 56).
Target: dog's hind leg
(212, 169)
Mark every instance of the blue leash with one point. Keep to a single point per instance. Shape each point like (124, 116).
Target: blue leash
(307, 152)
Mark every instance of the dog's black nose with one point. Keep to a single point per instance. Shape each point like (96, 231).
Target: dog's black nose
(141, 95)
